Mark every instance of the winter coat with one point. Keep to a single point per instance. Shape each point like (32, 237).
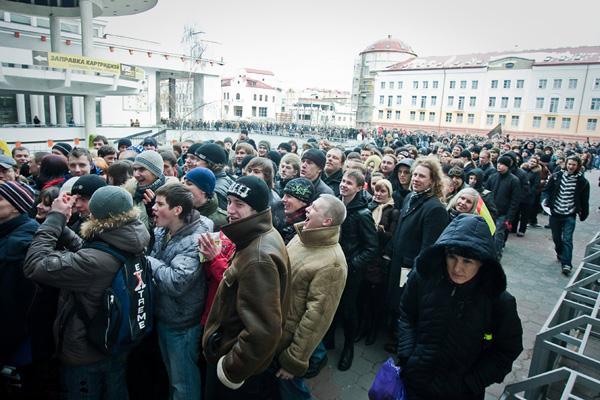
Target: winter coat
(358, 236)
(385, 229)
(455, 340)
(321, 188)
(179, 278)
(333, 181)
(418, 227)
(582, 194)
(507, 193)
(222, 184)
(486, 195)
(213, 271)
(246, 320)
(17, 293)
(80, 272)
(212, 211)
(318, 276)
(277, 211)
(524, 184)
(488, 171)
(533, 179)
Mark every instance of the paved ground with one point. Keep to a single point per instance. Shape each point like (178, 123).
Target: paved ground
(535, 280)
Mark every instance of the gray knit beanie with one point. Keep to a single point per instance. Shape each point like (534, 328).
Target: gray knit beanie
(110, 201)
(152, 161)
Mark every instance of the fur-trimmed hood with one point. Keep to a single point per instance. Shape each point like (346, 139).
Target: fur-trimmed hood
(124, 231)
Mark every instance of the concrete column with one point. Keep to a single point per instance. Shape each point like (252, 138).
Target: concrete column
(33, 106)
(77, 117)
(41, 109)
(21, 112)
(172, 98)
(87, 50)
(56, 46)
(157, 108)
(61, 110)
(52, 109)
(198, 103)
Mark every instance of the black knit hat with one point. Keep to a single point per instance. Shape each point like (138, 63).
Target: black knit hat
(194, 148)
(506, 160)
(86, 185)
(64, 148)
(252, 191)
(457, 171)
(300, 188)
(286, 146)
(316, 156)
(211, 153)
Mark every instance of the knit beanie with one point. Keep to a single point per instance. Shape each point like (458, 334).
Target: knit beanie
(316, 156)
(203, 178)
(124, 142)
(274, 156)
(211, 153)
(150, 141)
(68, 185)
(457, 171)
(7, 162)
(20, 196)
(252, 191)
(86, 185)
(152, 161)
(110, 201)
(64, 148)
(265, 144)
(506, 160)
(286, 146)
(300, 188)
(194, 148)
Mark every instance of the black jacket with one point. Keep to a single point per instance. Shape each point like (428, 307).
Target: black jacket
(524, 183)
(321, 188)
(455, 340)
(582, 194)
(533, 179)
(507, 193)
(333, 181)
(358, 236)
(418, 227)
(222, 184)
(486, 195)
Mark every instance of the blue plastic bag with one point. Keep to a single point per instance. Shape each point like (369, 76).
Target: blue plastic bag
(388, 384)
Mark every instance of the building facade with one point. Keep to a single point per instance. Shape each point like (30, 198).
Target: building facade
(251, 95)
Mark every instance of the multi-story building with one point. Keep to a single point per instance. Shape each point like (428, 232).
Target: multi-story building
(550, 92)
(252, 94)
(319, 107)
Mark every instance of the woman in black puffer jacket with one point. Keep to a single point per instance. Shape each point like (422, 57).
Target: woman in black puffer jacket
(459, 330)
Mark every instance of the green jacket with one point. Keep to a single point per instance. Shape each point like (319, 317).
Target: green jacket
(212, 211)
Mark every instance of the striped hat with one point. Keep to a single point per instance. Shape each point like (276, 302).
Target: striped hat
(20, 196)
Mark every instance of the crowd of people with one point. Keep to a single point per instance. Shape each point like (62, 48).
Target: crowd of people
(248, 256)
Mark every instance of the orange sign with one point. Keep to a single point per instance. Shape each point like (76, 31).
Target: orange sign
(18, 144)
(50, 143)
(76, 141)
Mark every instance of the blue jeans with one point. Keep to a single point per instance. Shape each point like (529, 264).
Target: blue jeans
(318, 355)
(180, 349)
(102, 380)
(500, 235)
(293, 389)
(562, 227)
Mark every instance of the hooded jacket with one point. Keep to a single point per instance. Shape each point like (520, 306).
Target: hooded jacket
(178, 275)
(455, 340)
(212, 211)
(246, 320)
(222, 184)
(507, 193)
(81, 272)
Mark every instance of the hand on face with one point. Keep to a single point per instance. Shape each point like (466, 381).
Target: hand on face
(64, 204)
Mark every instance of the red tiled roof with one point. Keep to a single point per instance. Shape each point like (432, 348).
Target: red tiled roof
(389, 44)
(257, 84)
(258, 71)
(541, 57)
(226, 82)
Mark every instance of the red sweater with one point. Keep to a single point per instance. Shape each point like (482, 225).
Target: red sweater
(214, 272)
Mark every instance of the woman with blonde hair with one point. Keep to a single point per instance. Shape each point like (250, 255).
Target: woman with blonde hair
(469, 201)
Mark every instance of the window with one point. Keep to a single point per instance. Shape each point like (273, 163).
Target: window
(502, 119)
(517, 102)
(539, 102)
(391, 85)
(461, 102)
(398, 100)
(489, 119)
(435, 84)
(423, 101)
(400, 84)
(557, 84)
(452, 84)
(474, 84)
(224, 96)
(470, 119)
(572, 83)
(260, 97)
(450, 101)
(542, 83)
(381, 100)
(494, 84)
(422, 116)
(237, 96)
(492, 102)
(254, 96)
(514, 121)
(520, 83)
(413, 100)
(463, 84)
(431, 117)
(433, 100)
(459, 118)
(262, 112)
(537, 121)
(550, 122)
(415, 84)
(380, 114)
(254, 111)
(238, 110)
(553, 104)
(597, 83)
(425, 84)
(388, 114)
(273, 99)
(504, 102)
(595, 104)
(383, 85)
(448, 117)
(566, 123)
(390, 100)
(506, 84)
(413, 115)
(472, 101)
(397, 114)
(591, 124)
(569, 102)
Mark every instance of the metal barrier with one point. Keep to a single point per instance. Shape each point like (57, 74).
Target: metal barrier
(566, 336)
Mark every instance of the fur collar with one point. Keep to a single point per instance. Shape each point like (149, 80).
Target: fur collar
(94, 227)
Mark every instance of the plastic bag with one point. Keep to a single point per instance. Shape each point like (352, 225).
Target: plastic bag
(388, 384)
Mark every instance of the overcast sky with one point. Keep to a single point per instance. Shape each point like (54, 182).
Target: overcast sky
(313, 43)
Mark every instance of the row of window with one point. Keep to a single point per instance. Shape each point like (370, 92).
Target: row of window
(494, 84)
(238, 97)
(262, 111)
(591, 124)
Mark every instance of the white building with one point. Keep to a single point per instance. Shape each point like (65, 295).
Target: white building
(251, 95)
(320, 107)
(548, 92)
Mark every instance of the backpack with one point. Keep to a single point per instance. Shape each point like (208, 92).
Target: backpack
(126, 314)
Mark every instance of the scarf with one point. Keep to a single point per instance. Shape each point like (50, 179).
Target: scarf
(297, 216)
(378, 211)
(53, 182)
(139, 191)
(416, 196)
